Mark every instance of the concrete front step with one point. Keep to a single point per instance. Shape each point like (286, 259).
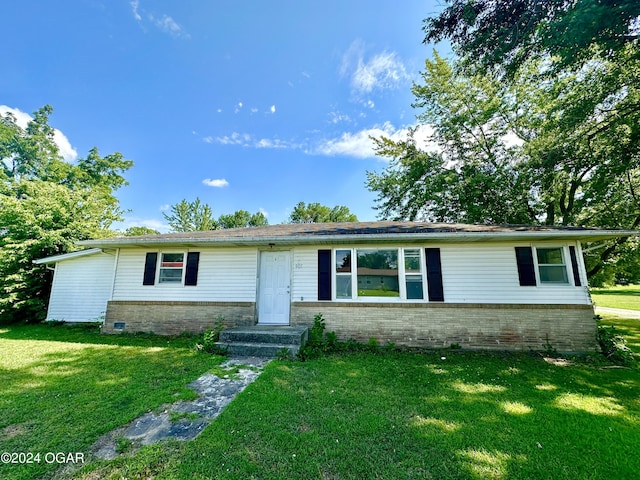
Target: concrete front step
(263, 340)
(267, 350)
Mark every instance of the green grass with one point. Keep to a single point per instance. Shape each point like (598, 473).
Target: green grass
(469, 415)
(626, 297)
(61, 388)
(408, 415)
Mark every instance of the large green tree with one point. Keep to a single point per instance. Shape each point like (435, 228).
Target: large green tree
(188, 216)
(46, 205)
(508, 33)
(524, 151)
(317, 213)
(242, 219)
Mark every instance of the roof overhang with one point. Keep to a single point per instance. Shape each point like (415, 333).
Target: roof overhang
(67, 256)
(369, 238)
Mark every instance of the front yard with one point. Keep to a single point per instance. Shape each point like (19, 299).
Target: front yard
(446, 414)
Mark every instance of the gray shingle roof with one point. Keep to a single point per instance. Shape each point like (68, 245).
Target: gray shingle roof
(374, 232)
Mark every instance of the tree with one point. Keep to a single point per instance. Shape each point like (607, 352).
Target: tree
(317, 213)
(190, 217)
(524, 151)
(46, 206)
(138, 231)
(508, 33)
(241, 219)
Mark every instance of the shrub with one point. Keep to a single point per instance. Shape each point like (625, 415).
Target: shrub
(614, 346)
(210, 337)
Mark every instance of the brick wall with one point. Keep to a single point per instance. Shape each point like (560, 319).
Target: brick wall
(567, 328)
(172, 318)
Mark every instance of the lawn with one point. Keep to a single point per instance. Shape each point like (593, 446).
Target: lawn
(626, 297)
(61, 388)
(442, 415)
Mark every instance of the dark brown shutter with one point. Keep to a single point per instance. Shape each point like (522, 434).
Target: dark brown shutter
(434, 275)
(526, 268)
(574, 266)
(324, 274)
(150, 268)
(191, 275)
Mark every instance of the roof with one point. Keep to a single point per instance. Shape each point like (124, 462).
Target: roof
(67, 256)
(364, 232)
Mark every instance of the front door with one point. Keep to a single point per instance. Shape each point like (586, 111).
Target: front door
(275, 297)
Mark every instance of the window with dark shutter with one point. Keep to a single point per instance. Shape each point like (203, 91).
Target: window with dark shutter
(434, 275)
(526, 268)
(324, 274)
(150, 268)
(191, 275)
(574, 266)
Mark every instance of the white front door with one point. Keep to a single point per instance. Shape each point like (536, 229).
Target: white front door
(275, 297)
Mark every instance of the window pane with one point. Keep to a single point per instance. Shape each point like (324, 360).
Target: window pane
(378, 273)
(343, 286)
(412, 261)
(343, 261)
(414, 287)
(170, 275)
(553, 274)
(172, 260)
(548, 256)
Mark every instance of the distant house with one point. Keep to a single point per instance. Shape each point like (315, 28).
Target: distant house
(410, 283)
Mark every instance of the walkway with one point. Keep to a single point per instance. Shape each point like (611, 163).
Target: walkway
(618, 312)
(185, 420)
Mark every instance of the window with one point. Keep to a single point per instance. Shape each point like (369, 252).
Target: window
(551, 265)
(413, 274)
(171, 266)
(378, 273)
(343, 274)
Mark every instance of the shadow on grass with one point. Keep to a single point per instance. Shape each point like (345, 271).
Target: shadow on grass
(60, 391)
(621, 291)
(90, 334)
(469, 415)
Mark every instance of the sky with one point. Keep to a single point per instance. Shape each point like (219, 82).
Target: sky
(253, 105)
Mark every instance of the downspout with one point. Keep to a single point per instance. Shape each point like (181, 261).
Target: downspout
(113, 282)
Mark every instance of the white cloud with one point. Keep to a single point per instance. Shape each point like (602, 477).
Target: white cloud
(360, 144)
(208, 139)
(246, 140)
(380, 72)
(134, 7)
(69, 154)
(133, 221)
(264, 212)
(217, 183)
(164, 23)
(273, 109)
(165, 207)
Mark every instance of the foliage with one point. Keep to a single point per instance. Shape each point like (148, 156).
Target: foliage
(242, 219)
(138, 231)
(210, 337)
(509, 33)
(527, 151)
(46, 205)
(317, 213)
(613, 345)
(316, 343)
(190, 216)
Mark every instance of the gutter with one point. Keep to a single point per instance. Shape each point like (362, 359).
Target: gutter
(588, 236)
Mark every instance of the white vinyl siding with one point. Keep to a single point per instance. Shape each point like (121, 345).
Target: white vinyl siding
(81, 288)
(224, 274)
(488, 273)
(475, 272)
(305, 275)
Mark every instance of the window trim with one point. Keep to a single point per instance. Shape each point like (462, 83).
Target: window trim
(402, 275)
(565, 256)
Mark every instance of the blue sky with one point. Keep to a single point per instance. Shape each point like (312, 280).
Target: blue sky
(253, 105)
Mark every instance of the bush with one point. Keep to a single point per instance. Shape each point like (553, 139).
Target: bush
(614, 346)
(210, 337)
